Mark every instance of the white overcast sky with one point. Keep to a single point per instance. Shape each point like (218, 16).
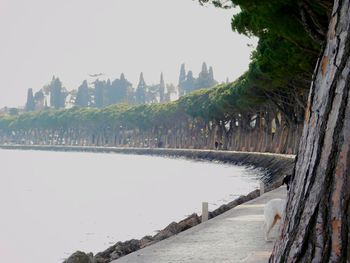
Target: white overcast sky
(73, 38)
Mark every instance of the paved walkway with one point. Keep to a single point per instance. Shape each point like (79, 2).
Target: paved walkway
(233, 237)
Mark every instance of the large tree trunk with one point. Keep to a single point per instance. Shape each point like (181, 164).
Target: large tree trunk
(317, 220)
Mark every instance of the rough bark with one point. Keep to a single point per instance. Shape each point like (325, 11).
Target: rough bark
(316, 224)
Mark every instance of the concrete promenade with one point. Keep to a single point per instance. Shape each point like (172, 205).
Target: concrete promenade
(234, 237)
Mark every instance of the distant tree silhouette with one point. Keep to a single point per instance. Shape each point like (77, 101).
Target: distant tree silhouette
(211, 77)
(57, 97)
(125, 92)
(39, 99)
(171, 89)
(30, 105)
(187, 82)
(205, 78)
(108, 89)
(161, 89)
(99, 92)
(182, 79)
(190, 83)
(141, 91)
(82, 99)
(119, 91)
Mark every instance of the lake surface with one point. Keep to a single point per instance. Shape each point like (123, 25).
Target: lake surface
(54, 203)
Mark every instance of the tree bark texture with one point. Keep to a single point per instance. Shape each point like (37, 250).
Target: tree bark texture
(317, 218)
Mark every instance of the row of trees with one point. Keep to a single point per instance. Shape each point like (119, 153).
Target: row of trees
(194, 121)
(317, 220)
(269, 99)
(103, 93)
(276, 84)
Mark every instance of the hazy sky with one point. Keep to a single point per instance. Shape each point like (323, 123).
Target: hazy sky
(73, 38)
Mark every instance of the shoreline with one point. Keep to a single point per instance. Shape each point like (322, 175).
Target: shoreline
(120, 249)
(273, 166)
(135, 150)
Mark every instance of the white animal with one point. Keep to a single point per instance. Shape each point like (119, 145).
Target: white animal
(273, 212)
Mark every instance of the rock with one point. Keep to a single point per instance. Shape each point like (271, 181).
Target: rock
(172, 229)
(189, 222)
(114, 255)
(254, 194)
(127, 247)
(240, 200)
(118, 250)
(175, 228)
(222, 209)
(146, 241)
(98, 259)
(80, 257)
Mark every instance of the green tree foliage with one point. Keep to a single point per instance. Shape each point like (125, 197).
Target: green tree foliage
(290, 36)
(199, 104)
(5, 122)
(298, 21)
(284, 18)
(278, 77)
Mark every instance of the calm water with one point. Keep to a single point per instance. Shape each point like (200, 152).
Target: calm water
(54, 203)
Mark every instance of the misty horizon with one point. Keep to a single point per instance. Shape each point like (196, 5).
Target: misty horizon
(74, 39)
(91, 78)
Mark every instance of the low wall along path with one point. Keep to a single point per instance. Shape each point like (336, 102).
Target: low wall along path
(236, 236)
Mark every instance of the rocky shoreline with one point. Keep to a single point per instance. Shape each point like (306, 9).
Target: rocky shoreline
(273, 166)
(121, 249)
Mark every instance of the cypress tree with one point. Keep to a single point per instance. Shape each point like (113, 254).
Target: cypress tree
(109, 99)
(211, 75)
(141, 90)
(161, 89)
(30, 105)
(190, 83)
(99, 93)
(82, 99)
(182, 79)
(56, 96)
(124, 89)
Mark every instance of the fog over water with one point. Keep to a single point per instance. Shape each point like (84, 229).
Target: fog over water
(54, 203)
